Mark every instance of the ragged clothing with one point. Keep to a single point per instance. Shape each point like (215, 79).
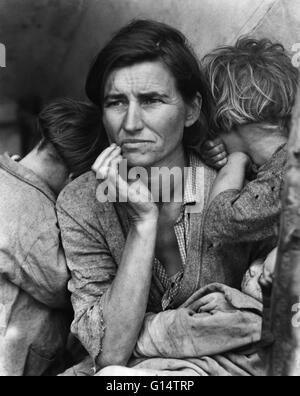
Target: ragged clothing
(94, 236)
(34, 300)
(189, 341)
(193, 341)
(252, 214)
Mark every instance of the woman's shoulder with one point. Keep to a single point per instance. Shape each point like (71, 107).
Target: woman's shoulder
(81, 195)
(84, 184)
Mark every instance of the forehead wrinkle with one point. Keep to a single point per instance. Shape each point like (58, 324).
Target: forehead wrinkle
(128, 81)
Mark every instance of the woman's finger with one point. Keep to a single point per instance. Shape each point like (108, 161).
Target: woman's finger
(103, 170)
(113, 169)
(116, 180)
(109, 156)
(102, 157)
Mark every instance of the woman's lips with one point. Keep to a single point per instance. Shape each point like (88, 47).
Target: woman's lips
(134, 143)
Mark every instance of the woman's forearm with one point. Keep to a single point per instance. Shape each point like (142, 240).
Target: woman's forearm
(127, 300)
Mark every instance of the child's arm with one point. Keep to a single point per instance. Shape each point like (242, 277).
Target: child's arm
(250, 214)
(232, 176)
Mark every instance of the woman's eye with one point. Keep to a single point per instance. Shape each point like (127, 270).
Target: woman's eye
(118, 103)
(150, 101)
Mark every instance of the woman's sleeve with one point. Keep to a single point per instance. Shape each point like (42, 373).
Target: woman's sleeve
(92, 273)
(187, 333)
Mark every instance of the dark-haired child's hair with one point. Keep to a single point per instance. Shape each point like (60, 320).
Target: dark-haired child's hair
(74, 130)
(146, 40)
(253, 81)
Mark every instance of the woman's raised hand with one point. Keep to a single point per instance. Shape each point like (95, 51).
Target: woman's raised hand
(136, 194)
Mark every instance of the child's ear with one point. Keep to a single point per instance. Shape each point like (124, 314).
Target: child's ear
(193, 111)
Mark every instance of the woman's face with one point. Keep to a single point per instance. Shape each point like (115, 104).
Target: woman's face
(144, 113)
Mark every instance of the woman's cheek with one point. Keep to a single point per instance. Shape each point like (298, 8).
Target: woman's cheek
(112, 126)
(171, 121)
(175, 127)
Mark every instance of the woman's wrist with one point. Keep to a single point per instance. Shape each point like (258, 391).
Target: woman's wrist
(146, 222)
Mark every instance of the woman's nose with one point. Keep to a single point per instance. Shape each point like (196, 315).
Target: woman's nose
(133, 121)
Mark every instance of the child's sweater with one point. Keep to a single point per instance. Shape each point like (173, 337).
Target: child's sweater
(253, 214)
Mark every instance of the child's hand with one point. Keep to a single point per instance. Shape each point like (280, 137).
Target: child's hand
(250, 284)
(266, 280)
(214, 302)
(214, 153)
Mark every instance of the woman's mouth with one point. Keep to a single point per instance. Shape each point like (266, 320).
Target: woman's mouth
(133, 143)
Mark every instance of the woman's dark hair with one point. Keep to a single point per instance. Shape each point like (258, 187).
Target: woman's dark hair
(74, 130)
(146, 40)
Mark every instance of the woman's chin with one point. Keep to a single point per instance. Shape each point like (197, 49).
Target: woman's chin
(136, 159)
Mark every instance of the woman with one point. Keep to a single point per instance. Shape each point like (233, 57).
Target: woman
(141, 256)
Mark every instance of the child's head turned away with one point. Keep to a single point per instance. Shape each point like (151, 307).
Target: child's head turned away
(253, 82)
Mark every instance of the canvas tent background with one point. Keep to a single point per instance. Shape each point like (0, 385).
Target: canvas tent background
(51, 43)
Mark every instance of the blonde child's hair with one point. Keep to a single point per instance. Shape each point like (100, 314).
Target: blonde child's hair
(252, 82)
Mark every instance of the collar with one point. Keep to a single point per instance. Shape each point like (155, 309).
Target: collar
(277, 159)
(193, 187)
(26, 175)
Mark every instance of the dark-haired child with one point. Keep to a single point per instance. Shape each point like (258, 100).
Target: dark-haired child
(34, 300)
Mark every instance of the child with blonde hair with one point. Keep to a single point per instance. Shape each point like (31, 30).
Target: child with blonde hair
(254, 86)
